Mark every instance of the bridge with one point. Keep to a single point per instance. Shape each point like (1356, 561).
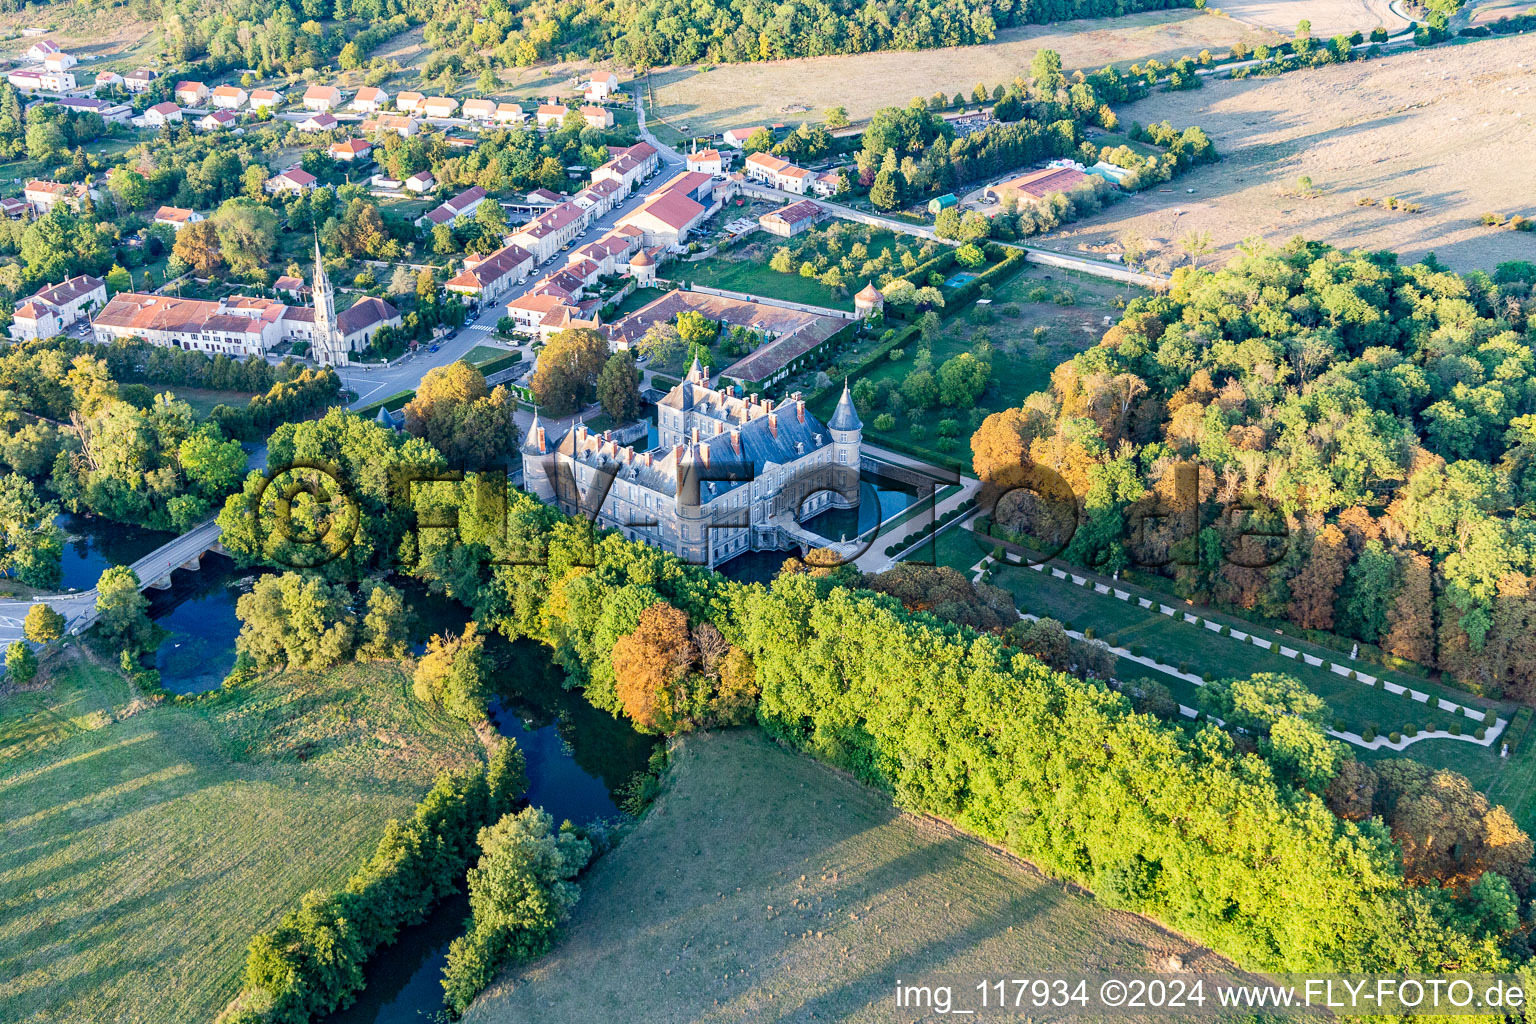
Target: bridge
(154, 571)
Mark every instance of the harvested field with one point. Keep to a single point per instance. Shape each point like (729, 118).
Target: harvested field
(111, 35)
(1448, 129)
(733, 95)
(765, 887)
(1328, 17)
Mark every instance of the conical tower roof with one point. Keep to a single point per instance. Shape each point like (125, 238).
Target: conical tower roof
(870, 294)
(845, 416)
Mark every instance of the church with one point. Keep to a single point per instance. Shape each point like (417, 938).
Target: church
(732, 472)
(241, 326)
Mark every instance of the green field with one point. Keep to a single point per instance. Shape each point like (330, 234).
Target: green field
(763, 886)
(146, 843)
(202, 400)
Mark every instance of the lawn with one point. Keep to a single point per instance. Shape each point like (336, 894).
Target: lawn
(482, 354)
(202, 400)
(1175, 642)
(146, 843)
(637, 299)
(763, 886)
(1021, 362)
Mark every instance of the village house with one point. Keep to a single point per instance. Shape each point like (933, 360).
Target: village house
(737, 137)
(780, 174)
(439, 106)
(548, 310)
(479, 109)
(550, 115)
(217, 120)
(112, 113)
(545, 234)
(827, 183)
(602, 85)
(161, 114)
(462, 205)
(597, 117)
(108, 79)
(140, 80)
(13, 209)
(409, 102)
(666, 218)
(322, 98)
(191, 94)
(57, 308)
(400, 124)
(266, 99)
(60, 61)
(487, 278)
(628, 165)
(509, 113)
(228, 97)
(706, 161)
(369, 99)
(351, 150)
(421, 181)
(792, 219)
(321, 122)
(293, 181)
(43, 196)
(175, 217)
(42, 49)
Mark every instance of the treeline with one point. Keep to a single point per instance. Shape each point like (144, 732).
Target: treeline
(136, 360)
(957, 724)
(311, 963)
(1380, 420)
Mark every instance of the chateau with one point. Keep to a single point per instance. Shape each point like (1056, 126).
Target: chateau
(731, 472)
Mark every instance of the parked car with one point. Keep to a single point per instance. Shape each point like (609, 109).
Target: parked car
(434, 347)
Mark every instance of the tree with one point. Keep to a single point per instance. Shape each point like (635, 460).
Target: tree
(298, 622)
(920, 390)
(120, 608)
(663, 346)
(885, 193)
(118, 280)
(453, 412)
(1366, 596)
(695, 328)
(31, 545)
(197, 245)
(45, 141)
(1289, 720)
(1196, 244)
(649, 663)
(970, 256)
(1410, 621)
(566, 377)
(519, 892)
(1315, 587)
(453, 672)
(42, 624)
(20, 663)
(962, 379)
(246, 231)
(213, 465)
(836, 117)
(760, 141)
(1045, 73)
(1448, 831)
(947, 223)
(130, 188)
(385, 629)
(618, 387)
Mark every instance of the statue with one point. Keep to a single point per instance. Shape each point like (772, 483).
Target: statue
(1354, 653)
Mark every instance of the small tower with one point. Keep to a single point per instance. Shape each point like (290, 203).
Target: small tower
(696, 373)
(868, 302)
(537, 454)
(847, 436)
(691, 496)
(643, 269)
(327, 344)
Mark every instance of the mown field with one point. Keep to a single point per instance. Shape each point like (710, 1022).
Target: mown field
(1445, 128)
(145, 844)
(710, 99)
(765, 887)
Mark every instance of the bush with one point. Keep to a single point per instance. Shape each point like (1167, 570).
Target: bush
(1481, 733)
(1088, 633)
(1456, 727)
(1138, 650)
(1339, 725)
(1410, 730)
(1394, 737)
(1184, 667)
(1491, 716)
(1369, 734)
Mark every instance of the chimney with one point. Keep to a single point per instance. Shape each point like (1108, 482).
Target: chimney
(735, 440)
(773, 424)
(646, 458)
(767, 405)
(704, 457)
(607, 435)
(800, 409)
(695, 435)
(677, 454)
(542, 449)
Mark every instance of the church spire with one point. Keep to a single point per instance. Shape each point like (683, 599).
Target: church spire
(326, 346)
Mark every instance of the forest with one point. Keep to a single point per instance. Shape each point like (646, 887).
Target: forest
(1375, 423)
(1258, 847)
